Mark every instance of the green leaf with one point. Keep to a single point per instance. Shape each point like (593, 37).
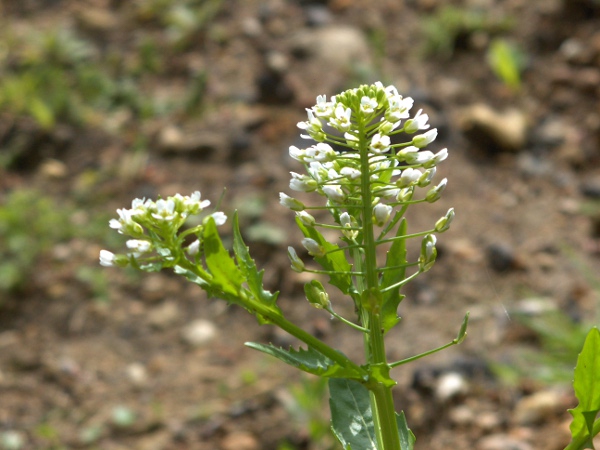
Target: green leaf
(351, 415)
(248, 267)
(462, 333)
(309, 360)
(227, 277)
(396, 256)
(587, 390)
(407, 438)
(334, 260)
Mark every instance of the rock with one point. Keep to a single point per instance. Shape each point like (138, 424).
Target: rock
(591, 188)
(494, 131)
(198, 333)
(502, 442)
(137, 374)
(461, 415)
(450, 385)
(538, 407)
(501, 257)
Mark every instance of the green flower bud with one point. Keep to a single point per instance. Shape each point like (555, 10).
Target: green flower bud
(434, 194)
(297, 263)
(316, 295)
(444, 223)
(428, 253)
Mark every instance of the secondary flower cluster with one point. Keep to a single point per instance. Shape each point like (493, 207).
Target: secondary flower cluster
(365, 138)
(154, 227)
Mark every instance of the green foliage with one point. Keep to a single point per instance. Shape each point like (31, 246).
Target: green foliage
(443, 30)
(585, 425)
(507, 62)
(30, 223)
(310, 361)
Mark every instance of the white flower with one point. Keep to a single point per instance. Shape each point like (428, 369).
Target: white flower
(419, 122)
(320, 152)
(341, 120)
(165, 210)
(398, 108)
(428, 252)
(334, 192)
(422, 140)
(407, 154)
(381, 214)
(323, 108)
(219, 217)
(107, 259)
(297, 153)
(440, 156)
(368, 105)
(408, 177)
(380, 144)
(426, 178)
(139, 245)
(313, 127)
(192, 203)
(290, 203)
(313, 247)
(350, 173)
(302, 183)
(125, 224)
(423, 157)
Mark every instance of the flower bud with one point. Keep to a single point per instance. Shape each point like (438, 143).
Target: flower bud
(422, 140)
(419, 122)
(405, 195)
(302, 183)
(381, 214)
(348, 222)
(193, 248)
(334, 193)
(138, 245)
(425, 179)
(109, 259)
(297, 263)
(306, 218)
(428, 253)
(316, 295)
(434, 194)
(444, 222)
(408, 177)
(291, 203)
(313, 247)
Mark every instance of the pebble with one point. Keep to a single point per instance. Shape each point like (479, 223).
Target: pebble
(538, 407)
(494, 131)
(172, 139)
(198, 333)
(501, 257)
(137, 374)
(451, 385)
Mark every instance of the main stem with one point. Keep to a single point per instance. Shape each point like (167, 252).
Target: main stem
(382, 403)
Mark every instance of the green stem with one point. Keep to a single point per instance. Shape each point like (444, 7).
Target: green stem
(382, 403)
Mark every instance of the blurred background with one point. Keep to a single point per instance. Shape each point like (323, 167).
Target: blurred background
(104, 101)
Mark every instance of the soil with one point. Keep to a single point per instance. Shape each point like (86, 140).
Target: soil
(78, 370)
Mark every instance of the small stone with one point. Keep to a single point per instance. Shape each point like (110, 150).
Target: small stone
(538, 407)
(198, 333)
(494, 131)
(53, 168)
(488, 420)
(501, 257)
(172, 139)
(450, 385)
(461, 415)
(137, 374)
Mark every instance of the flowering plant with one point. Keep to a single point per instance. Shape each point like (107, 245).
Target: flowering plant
(369, 164)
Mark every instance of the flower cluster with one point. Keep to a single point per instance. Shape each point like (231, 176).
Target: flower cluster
(154, 227)
(366, 139)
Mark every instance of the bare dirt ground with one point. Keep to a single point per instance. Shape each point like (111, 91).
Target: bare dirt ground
(157, 365)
